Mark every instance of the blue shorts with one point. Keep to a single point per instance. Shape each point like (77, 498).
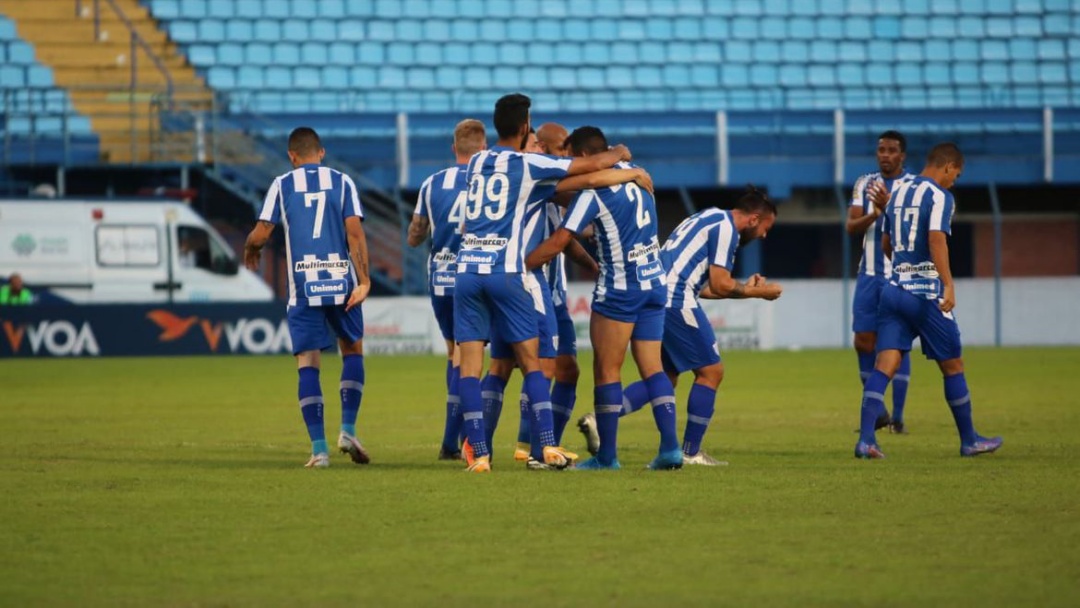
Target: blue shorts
(498, 302)
(546, 327)
(645, 309)
(689, 341)
(444, 314)
(864, 306)
(904, 316)
(567, 342)
(308, 326)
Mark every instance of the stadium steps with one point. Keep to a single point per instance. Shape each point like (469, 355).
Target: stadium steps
(99, 78)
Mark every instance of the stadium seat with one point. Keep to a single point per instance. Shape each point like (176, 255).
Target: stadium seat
(314, 54)
(793, 75)
(221, 77)
(165, 9)
(341, 53)
(655, 29)
(371, 53)
(739, 52)
(7, 29)
(286, 54)
(39, 76)
(994, 72)
(249, 77)
(277, 77)
(851, 75)
(294, 29)
(400, 53)
(221, 10)
(212, 30)
(267, 30)
(774, 28)
(184, 31)
(821, 75)
(794, 51)
(249, 9)
(646, 76)
(20, 53)
(619, 77)
(1022, 49)
(1053, 73)
(857, 28)
(449, 77)
(480, 77)
(563, 78)
(704, 76)
(363, 77)
(193, 9)
(651, 52)
(802, 28)
(230, 54)
(239, 30)
(352, 29)
(766, 51)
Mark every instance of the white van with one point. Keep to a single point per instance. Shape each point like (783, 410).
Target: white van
(139, 251)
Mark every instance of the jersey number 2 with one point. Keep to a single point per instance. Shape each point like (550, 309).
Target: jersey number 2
(319, 200)
(634, 194)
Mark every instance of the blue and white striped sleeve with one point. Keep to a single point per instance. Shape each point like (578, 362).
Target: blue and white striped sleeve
(582, 211)
(352, 198)
(271, 209)
(858, 193)
(941, 211)
(423, 199)
(724, 241)
(543, 167)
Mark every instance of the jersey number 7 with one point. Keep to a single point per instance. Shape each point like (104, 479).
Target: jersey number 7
(910, 217)
(319, 200)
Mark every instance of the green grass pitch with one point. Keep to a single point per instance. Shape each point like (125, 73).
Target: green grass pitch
(178, 482)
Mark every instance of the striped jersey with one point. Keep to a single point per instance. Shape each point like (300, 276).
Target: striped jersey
(311, 202)
(627, 249)
(873, 261)
(503, 185)
(918, 207)
(442, 201)
(707, 238)
(556, 268)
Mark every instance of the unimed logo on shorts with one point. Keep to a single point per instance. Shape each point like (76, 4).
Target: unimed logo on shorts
(256, 336)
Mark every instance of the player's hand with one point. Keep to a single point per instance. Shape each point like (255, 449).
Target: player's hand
(624, 152)
(755, 281)
(879, 196)
(358, 295)
(948, 298)
(771, 291)
(252, 258)
(644, 180)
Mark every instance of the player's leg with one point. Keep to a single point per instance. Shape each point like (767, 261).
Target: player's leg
(472, 327)
(443, 306)
(494, 384)
(546, 330)
(864, 322)
(564, 391)
(307, 328)
(349, 327)
(897, 313)
(899, 394)
(645, 345)
(609, 339)
(700, 407)
(940, 337)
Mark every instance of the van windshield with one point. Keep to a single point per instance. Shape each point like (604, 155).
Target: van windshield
(197, 248)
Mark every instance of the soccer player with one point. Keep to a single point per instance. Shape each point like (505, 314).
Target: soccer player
(699, 257)
(439, 211)
(628, 302)
(868, 199)
(328, 279)
(919, 299)
(493, 291)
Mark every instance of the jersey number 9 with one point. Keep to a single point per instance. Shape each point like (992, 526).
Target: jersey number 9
(488, 195)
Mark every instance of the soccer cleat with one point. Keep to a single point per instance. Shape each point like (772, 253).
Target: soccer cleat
(587, 425)
(480, 465)
(869, 451)
(594, 464)
(533, 464)
(897, 428)
(467, 452)
(667, 461)
(982, 445)
(882, 421)
(445, 455)
(318, 461)
(350, 445)
(521, 452)
(702, 459)
(558, 457)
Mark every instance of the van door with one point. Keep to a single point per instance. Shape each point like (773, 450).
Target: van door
(204, 268)
(129, 263)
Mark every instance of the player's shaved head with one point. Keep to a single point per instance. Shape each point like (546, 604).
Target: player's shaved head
(585, 141)
(552, 137)
(945, 154)
(304, 142)
(469, 137)
(511, 113)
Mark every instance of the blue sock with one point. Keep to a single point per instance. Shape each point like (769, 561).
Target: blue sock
(311, 408)
(472, 408)
(563, 398)
(959, 399)
(662, 397)
(899, 387)
(451, 371)
(699, 411)
(538, 389)
(524, 428)
(873, 405)
(491, 391)
(352, 391)
(635, 397)
(452, 430)
(866, 365)
(608, 405)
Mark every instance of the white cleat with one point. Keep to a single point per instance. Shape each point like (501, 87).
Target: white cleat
(350, 445)
(703, 459)
(318, 461)
(587, 425)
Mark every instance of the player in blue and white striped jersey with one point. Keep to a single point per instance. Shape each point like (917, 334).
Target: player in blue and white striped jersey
(868, 199)
(919, 298)
(493, 292)
(326, 252)
(440, 208)
(699, 256)
(628, 302)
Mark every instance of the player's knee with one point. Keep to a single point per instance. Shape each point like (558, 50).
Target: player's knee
(352, 348)
(711, 375)
(951, 367)
(566, 370)
(501, 368)
(865, 342)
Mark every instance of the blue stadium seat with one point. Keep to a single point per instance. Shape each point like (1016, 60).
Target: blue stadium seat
(480, 77)
(766, 51)
(267, 30)
(647, 76)
(821, 75)
(465, 31)
(624, 53)
(277, 77)
(852, 51)
(428, 54)
(485, 53)
(794, 51)
(908, 74)
(279, 9)
(802, 28)
(936, 73)
(360, 8)
(887, 28)
(655, 29)
(881, 50)
(680, 52)
(493, 31)
(909, 50)
(331, 9)
(193, 9)
(744, 28)
(631, 29)
(971, 27)
(249, 77)
(676, 75)
(774, 28)
(830, 27)
(39, 76)
(708, 52)
(764, 76)
(301, 10)
(306, 77)
(704, 76)
(1053, 72)
(221, 77)
(519, 30)
(295, 29)
(219, 9)
(734, 75)
(747, 8)
(739, 52)
(363, 77)
(436, 30)
(230, 54)
(341, 53)
(994, 72)
(183, 31)
(400, 53)
(165, 9)
(420, 78)
(508, 77)
(249, 9)
(687, 28)
(533, 77)
(776, 7)
(714, 29)
(322, 30)
(851, 75)
(1022, 49)
(457, 53)
(563, 77)
(994, 50)
(619, 77)
(793, 75)
(1027, 26)
(352, 29)
(408, 30)
(391, 9)
(314, 54)
(239, 30)
(286, 53)
(823, 51)
(20, 53)
(7, 29)
(963, 50)
(448, 77)
(1074, 48)
(857, 28)
(604, 30)
(651, 52)
(1057, 24)
(999, 27)
(941, 28)
(1000, 7)
(371, 53)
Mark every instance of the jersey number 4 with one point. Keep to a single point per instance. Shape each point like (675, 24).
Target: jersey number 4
(319, 200)
(488, 195)
(907, 220)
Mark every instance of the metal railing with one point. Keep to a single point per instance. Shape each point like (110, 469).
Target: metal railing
(136, 40)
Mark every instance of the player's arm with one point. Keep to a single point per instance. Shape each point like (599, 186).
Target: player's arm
(939, 254)
(577, 253)
(886, 245)
(256, 240)
(596, 162)
(723, 285)
(858, 221)
(358, 253)
(419, 228)
(606, 177)
(551, 247)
